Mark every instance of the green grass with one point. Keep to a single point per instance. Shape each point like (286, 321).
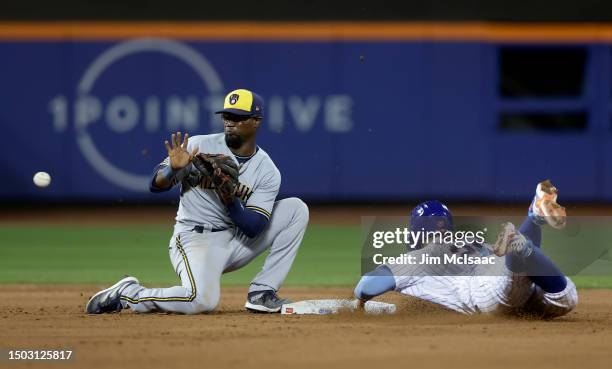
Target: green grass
(102, 254)
(593, 281)
(329, 256)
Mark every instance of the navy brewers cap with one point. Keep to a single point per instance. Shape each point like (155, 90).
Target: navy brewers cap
(243, 102)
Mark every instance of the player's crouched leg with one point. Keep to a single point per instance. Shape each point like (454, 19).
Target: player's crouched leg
(289, 216)
(288, 223)
(295, 209)
(203, 303)
(177, 299)
(559, 303)
(283, 237)
(552, 305)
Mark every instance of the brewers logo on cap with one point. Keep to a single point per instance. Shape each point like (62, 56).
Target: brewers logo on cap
(243, 102)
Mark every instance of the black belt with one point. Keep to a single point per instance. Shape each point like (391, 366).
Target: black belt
(201, 229)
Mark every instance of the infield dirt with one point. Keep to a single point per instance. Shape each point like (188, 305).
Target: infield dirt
(420, 335)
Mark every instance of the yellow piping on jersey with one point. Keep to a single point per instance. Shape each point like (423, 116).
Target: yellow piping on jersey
(259, 210)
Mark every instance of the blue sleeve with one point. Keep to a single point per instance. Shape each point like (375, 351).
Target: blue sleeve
(250, 222)
(173, 176)
(152, 186)
(375, 283)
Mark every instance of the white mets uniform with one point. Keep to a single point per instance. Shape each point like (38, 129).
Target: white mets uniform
(206, 244)
(477, 288)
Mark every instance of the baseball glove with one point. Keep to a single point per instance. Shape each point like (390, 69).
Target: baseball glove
(223, 164)
(203, 165)
(194, 178)
(206, 164)
(223, 171)
(225, 185)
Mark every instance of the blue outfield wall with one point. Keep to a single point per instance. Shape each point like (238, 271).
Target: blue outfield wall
(345, 120)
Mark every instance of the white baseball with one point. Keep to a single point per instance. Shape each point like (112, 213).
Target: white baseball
(42, 179)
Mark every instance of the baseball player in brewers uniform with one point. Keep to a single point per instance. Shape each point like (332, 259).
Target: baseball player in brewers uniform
(216, 234)
(521, 279)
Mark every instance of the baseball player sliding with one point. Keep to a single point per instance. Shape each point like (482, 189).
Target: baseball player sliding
(522, 279)
(227, 216)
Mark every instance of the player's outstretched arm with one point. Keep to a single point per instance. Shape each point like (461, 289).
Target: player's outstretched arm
(375, 283)
(179, 158)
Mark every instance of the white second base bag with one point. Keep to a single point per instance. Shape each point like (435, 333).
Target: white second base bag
(333, 306)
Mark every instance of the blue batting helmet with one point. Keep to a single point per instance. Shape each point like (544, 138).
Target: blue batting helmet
(431, 215)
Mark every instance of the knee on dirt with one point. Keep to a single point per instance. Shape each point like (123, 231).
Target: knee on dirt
(569, 297)
(561, 303)
(203, 303)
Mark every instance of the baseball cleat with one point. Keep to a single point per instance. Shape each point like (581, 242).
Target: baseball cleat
(544, 208)
(264, 302)
(511, 240)
(108, 300)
